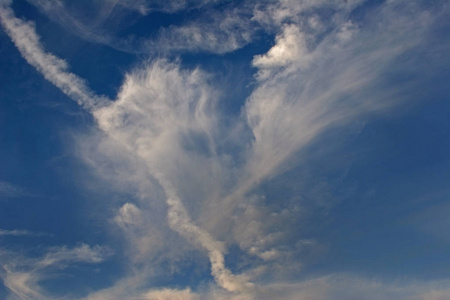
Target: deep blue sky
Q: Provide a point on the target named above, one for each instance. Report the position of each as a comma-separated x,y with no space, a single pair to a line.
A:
224,149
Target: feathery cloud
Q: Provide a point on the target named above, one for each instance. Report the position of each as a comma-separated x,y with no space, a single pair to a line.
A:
22,275
167,135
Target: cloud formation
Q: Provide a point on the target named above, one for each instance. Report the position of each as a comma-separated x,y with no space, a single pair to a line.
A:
165,140
22,275
53,68
219,30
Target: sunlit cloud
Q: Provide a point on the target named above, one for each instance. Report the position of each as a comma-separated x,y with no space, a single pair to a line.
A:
53,68
22,275
165,141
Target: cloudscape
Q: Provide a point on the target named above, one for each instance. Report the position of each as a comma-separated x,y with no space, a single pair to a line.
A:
220,149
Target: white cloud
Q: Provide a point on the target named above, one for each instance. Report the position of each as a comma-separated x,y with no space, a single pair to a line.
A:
290,50
294,105
128,214
22,285
144,237
216,31
61,256
22,275
277,13
167,294
148,119
54,69
165,137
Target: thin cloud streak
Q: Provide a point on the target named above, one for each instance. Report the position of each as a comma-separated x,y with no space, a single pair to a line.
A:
9,190
17,232
54,69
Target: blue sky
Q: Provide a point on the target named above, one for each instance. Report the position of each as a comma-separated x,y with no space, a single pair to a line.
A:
218,149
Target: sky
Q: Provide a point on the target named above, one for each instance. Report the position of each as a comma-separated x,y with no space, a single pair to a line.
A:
220,149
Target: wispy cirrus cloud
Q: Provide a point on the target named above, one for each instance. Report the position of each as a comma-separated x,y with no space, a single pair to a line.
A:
164,139
53,68
217,30
147,6
9,190
22,275
19,232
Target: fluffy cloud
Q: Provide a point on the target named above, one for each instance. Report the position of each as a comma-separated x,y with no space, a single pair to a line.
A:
290,48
